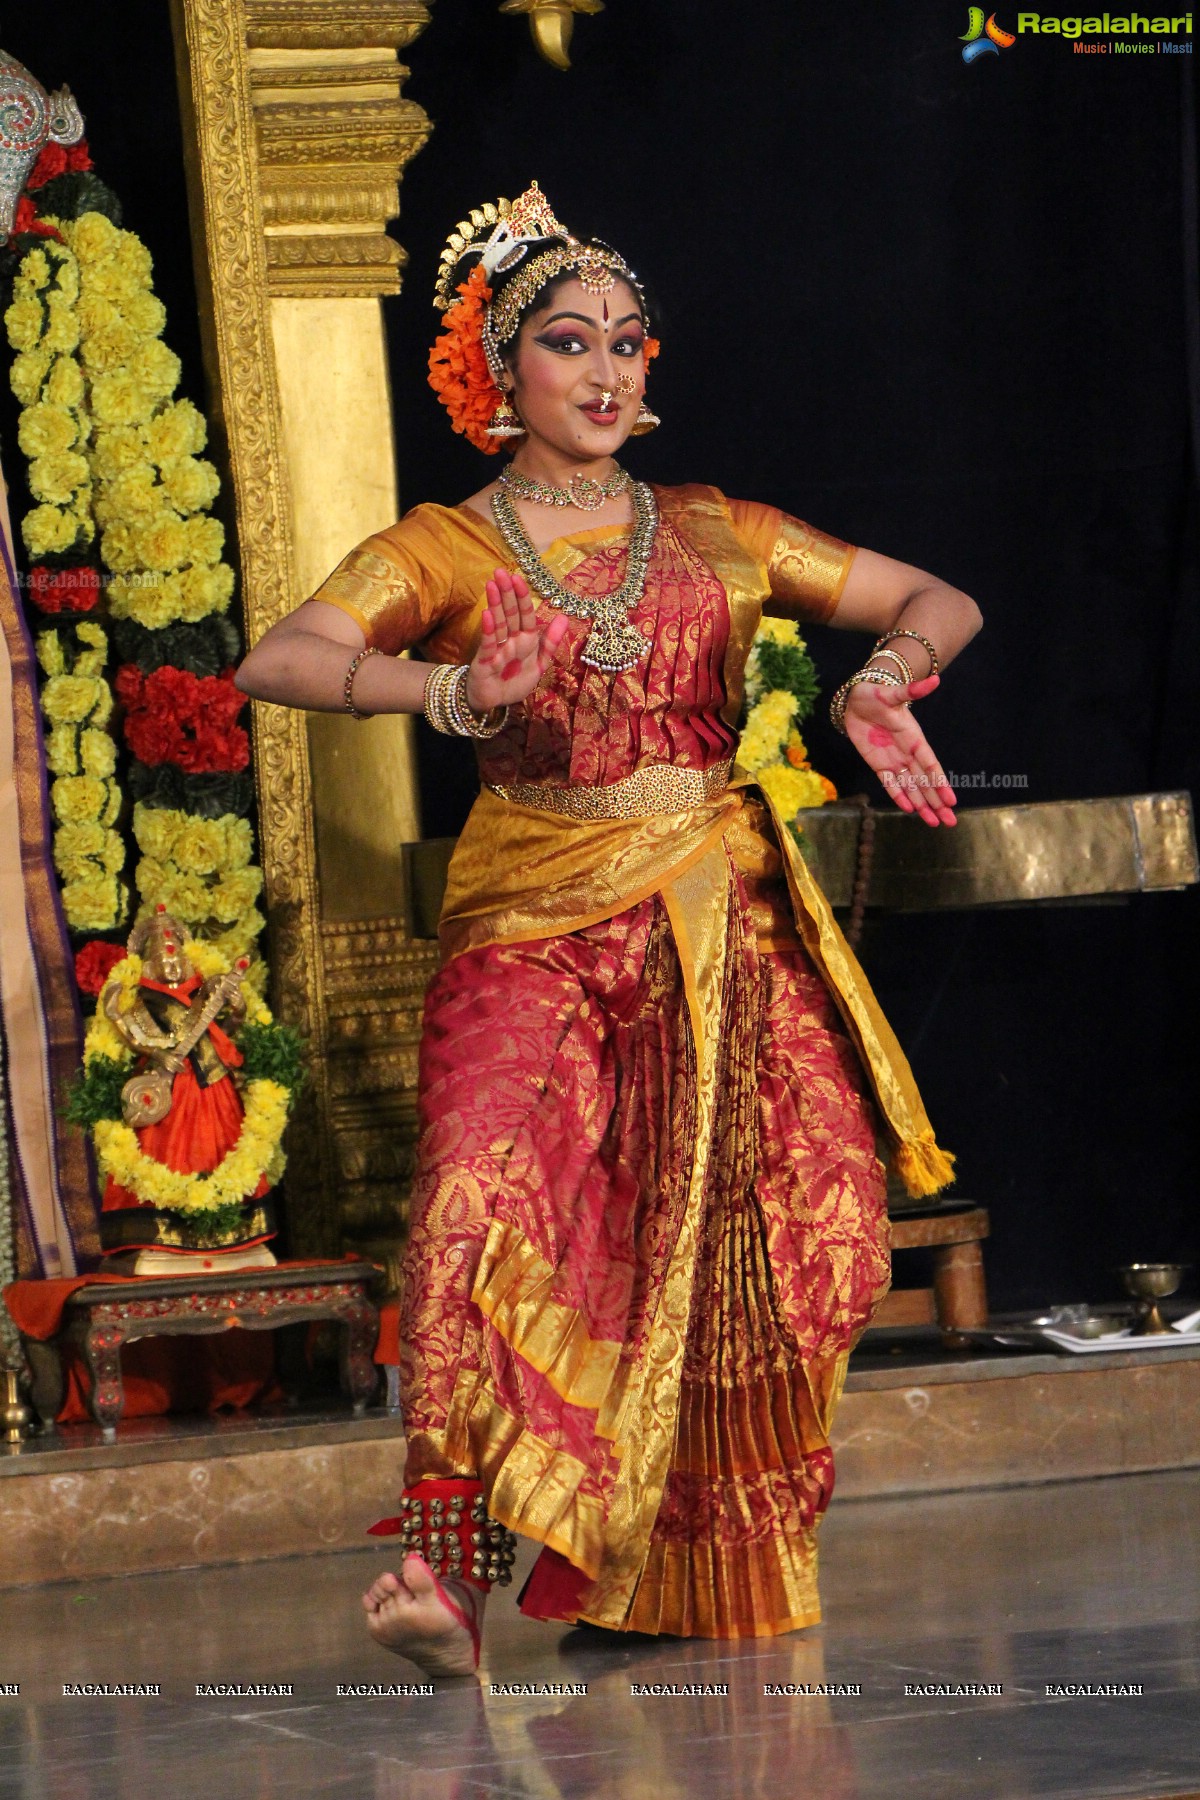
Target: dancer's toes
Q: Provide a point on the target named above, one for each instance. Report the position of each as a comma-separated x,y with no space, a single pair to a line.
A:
385,1588
434,1624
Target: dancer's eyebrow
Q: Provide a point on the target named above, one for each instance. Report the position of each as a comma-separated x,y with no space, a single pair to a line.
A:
584,320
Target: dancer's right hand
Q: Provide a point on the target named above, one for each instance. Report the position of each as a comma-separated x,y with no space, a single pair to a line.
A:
515,647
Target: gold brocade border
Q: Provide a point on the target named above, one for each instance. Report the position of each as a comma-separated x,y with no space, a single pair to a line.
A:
736,1591
644,1430
532,1487
511,1290
231,270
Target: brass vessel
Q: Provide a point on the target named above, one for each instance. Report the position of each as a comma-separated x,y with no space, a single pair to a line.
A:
1149,1283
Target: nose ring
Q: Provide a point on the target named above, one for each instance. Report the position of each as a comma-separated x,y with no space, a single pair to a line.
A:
625,384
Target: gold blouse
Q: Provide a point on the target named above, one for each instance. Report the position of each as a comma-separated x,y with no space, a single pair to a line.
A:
421,582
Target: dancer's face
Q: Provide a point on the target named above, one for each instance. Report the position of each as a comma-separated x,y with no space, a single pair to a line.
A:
579,370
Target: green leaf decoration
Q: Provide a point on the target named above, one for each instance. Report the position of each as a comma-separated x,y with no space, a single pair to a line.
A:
273,1053
789,667
95,1093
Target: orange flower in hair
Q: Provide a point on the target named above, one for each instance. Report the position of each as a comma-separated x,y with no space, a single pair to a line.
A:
458,371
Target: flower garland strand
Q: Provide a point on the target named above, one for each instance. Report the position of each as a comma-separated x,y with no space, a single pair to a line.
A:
781,688
122,525
53,430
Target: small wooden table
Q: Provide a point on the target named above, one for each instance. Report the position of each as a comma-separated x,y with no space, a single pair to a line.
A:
101,1317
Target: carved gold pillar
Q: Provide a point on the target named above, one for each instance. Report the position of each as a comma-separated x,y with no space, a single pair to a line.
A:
297,133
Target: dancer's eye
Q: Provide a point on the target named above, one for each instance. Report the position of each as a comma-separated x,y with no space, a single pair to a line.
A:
569,342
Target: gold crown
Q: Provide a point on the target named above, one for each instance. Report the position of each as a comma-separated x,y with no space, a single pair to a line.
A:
532,216
514,225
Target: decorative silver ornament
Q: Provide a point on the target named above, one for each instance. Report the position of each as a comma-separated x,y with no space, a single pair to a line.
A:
30,118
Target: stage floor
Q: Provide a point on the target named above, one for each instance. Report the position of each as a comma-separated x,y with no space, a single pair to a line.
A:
1084,1582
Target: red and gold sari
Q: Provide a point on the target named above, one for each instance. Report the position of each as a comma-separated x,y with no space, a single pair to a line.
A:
648,1220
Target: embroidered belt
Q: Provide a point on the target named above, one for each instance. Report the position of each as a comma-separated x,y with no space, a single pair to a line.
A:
655,788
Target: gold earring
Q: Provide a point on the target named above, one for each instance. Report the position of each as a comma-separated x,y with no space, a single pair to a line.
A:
505,422
645,421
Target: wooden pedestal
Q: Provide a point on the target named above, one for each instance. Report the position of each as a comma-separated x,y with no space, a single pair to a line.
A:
957,1301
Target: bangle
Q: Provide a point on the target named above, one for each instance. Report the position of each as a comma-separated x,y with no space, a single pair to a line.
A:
837,706
348,684
893,656
447,708
889,637
435,698
469,722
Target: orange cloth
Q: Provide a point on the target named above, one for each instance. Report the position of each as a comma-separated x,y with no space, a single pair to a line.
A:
182,1375
387,1347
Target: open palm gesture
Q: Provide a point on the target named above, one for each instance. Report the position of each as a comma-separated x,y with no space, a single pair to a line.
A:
885,734
515,647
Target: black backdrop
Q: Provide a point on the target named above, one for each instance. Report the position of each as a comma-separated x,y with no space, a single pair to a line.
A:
940,310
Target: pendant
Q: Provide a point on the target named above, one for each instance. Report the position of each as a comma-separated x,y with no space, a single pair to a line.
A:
587,494
612,645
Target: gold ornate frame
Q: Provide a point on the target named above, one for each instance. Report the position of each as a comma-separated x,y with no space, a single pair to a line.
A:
296,134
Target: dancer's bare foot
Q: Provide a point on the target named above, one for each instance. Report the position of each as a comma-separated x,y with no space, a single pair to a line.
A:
434,1623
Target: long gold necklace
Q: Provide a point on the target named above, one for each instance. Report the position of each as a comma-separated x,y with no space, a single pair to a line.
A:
612,644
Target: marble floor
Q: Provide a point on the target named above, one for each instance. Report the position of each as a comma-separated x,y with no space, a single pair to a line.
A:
1090,1583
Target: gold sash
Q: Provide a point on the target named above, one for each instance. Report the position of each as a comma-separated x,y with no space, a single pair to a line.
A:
519,874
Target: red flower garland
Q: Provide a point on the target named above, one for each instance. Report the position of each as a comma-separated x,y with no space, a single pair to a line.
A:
96,962
59,159
176,717
26,221
73,589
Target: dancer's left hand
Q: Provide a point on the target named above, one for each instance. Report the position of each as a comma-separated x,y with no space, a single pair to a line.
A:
887,737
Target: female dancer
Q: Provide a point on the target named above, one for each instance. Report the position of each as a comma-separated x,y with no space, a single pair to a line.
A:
648,1221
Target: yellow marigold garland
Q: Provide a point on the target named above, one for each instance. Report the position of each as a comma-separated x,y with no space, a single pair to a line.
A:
152,489
54,426
771,747
81,757
200,869
258,1152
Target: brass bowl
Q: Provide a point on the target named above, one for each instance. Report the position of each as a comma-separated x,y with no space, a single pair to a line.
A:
1149,1283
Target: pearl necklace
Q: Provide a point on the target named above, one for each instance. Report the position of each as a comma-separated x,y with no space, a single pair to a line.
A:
580,491
612,644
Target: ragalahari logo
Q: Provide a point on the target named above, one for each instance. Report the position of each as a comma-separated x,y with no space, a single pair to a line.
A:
984,38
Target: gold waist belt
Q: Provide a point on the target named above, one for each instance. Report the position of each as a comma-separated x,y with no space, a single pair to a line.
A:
656,788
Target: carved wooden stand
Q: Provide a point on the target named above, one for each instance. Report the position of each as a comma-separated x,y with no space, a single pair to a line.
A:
100,1318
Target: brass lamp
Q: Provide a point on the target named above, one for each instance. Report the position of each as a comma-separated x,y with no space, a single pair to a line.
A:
551,23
